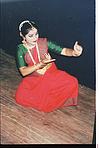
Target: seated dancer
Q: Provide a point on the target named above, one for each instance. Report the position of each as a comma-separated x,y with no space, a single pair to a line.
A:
43,87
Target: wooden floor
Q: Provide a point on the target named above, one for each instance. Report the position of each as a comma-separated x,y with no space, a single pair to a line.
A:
20,125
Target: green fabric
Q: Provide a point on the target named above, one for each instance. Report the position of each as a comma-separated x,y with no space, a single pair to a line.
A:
54,47
21,51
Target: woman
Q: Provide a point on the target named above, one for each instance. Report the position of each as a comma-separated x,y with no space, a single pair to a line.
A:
44,87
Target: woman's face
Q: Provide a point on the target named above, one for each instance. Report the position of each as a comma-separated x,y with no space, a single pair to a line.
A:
32,36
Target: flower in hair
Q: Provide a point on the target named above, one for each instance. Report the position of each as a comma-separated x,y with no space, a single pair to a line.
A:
22,23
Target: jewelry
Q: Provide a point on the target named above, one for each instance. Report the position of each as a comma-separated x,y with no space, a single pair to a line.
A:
37,53
43,70
22,23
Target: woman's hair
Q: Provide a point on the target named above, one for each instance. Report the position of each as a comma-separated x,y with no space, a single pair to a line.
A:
26,26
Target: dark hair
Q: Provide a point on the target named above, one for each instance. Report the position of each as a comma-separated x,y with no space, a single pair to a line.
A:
26,27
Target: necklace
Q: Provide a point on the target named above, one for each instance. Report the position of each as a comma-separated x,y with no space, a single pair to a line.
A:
37,53
43,70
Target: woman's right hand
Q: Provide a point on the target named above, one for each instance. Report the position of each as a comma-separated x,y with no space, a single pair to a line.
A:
43,63
40,65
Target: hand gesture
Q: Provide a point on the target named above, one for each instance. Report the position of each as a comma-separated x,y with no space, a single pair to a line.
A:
47,56
44,62
40,65
77,49
48,59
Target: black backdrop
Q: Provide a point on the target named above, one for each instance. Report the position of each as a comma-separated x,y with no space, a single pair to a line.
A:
61,21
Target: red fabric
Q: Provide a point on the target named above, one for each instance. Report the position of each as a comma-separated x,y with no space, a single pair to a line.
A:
43,48
49,91
35,57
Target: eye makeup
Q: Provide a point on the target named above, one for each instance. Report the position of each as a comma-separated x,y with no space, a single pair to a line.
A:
33,35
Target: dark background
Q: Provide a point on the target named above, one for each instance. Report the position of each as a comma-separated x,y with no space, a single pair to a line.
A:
61,21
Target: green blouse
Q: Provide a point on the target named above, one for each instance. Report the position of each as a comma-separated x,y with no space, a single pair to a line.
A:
21,51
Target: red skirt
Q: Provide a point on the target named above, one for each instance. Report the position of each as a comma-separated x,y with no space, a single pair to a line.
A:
48,92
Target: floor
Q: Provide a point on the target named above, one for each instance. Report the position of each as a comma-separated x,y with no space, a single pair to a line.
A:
20,125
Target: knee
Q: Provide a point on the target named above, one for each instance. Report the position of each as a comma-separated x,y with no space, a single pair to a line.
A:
75,81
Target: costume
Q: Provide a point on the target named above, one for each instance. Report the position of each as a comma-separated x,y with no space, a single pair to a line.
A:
49,91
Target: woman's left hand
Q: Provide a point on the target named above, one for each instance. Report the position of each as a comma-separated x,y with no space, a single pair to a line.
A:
77,49
48,59
47,56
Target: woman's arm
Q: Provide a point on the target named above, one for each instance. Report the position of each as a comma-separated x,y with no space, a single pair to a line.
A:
67,52
77,51
53,47
22,65
26,70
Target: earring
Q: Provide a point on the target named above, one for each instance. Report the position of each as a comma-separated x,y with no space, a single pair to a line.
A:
23,41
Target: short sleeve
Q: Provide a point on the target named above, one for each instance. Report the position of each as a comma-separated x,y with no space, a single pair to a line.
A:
54,47
20,57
